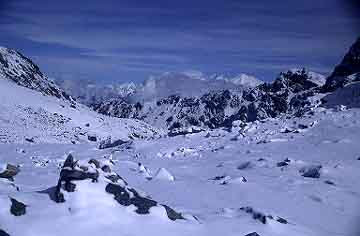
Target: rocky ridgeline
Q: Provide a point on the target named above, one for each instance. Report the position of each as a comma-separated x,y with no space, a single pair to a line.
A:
350,65
288,93
293,93
21,70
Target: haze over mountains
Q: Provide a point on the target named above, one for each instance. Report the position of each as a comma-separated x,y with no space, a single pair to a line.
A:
189,83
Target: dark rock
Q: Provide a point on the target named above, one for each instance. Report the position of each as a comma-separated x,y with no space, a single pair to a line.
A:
69,162
245,165
3,233
106,169
281,164
68,174
311,171
349,65
329,182
128,196
281,220
256,215
122,196
92,138
115,178
286,131
70,187
95,162
218,177
87,125
10,172
252,234
180,131
301,126
173,215
109,144
17,208
27,74
30,140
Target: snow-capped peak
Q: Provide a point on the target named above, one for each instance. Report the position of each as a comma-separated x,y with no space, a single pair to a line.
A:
240,79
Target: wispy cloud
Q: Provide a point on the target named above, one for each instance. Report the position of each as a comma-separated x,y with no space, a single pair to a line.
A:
93,38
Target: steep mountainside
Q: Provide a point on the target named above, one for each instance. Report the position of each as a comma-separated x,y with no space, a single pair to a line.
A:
29,116
349,65
21,70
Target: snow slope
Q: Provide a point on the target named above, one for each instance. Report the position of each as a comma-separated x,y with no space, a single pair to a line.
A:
28,114
231,182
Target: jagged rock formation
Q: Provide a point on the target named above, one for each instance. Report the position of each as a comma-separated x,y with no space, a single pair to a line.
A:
349,65
288,93
72,172
20,69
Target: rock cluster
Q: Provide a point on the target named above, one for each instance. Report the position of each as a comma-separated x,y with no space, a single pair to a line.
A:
94,170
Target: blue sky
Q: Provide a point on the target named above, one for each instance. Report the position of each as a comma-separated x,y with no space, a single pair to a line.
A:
130,40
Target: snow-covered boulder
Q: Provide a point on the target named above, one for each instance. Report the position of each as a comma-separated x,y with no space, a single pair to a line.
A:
76,176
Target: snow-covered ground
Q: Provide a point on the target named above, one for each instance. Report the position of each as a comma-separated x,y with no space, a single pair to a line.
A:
28,114
224,179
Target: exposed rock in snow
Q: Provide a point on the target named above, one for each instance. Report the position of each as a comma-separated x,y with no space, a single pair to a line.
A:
311,171
349,65
21,70
3,233
348,96
10,172
17,208
252,234
108,143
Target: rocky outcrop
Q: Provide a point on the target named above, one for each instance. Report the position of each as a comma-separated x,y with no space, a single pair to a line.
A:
289,93
21,70
17,208
10,172
72,172
349,65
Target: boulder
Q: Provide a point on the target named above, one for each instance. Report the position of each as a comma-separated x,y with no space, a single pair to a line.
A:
108,143
17,208
92,138
311,171
252,234
9,172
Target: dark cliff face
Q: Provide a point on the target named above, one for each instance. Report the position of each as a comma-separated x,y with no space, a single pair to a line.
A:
349,65
21,70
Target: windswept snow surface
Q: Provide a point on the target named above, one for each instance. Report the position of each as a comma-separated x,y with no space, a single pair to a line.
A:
229,180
